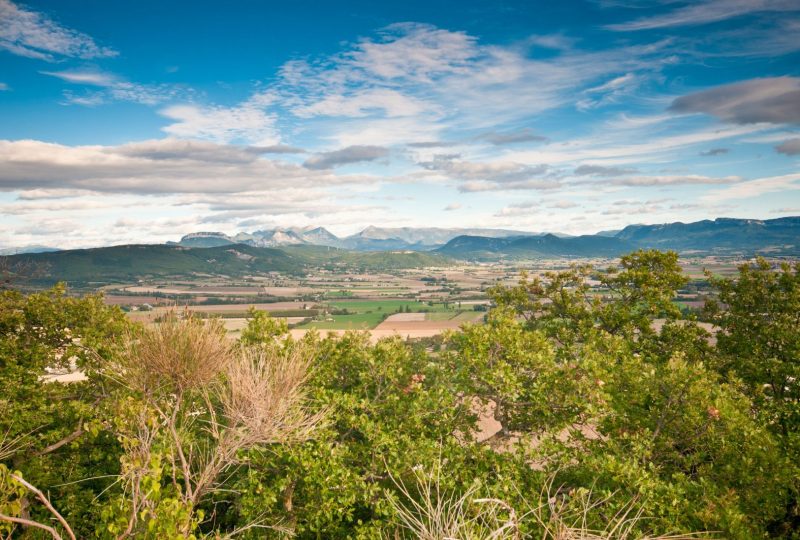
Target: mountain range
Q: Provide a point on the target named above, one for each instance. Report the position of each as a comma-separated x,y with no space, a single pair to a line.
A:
370,239
722,235
35,248
297,250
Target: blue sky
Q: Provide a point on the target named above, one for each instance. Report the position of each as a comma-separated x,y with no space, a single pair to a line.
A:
142,121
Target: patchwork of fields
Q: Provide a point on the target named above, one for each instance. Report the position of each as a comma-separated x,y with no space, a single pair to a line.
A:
412,303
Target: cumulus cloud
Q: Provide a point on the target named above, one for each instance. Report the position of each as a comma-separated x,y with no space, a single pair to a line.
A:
345,156
774,100
248,122
512,137
689,179
280,149
32,34
714,152
517,209
151,167
452,206
180,149
602,170
790,147
473,176
432,144
705,12
4,86
563,204
754,188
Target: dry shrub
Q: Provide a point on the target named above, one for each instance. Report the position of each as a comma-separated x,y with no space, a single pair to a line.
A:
264,396
433,514
187,351
559,521
221,399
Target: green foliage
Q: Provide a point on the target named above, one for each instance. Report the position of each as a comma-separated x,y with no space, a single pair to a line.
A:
391,409
758,313
760,337
62,446
518,372
261,328
658,423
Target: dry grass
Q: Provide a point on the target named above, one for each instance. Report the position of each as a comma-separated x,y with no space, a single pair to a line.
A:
434,514
426,512
559,521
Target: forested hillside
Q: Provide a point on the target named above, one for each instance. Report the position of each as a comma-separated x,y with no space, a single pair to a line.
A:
615,416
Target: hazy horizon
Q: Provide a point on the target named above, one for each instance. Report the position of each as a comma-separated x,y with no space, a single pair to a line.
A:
140,123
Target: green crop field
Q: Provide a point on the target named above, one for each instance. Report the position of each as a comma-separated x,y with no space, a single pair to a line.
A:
348,322
384,306
369,313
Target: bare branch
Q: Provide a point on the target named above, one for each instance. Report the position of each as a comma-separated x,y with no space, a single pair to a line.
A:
46,502
31,523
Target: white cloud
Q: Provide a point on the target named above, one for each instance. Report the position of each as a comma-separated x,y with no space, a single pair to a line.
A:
345,156
222,124
35,35
4,86
425,80
96,78
473,176
610,92
704,12
672,180
151,167
774,100
754,188
363,103
114,88
413,51
563,204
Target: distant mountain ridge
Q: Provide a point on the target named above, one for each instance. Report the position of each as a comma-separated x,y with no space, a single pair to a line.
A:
296,249
719,236
370,239
534,247
35,248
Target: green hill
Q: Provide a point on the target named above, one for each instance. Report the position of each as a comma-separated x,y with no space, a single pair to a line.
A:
129,262
123,263
534,247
